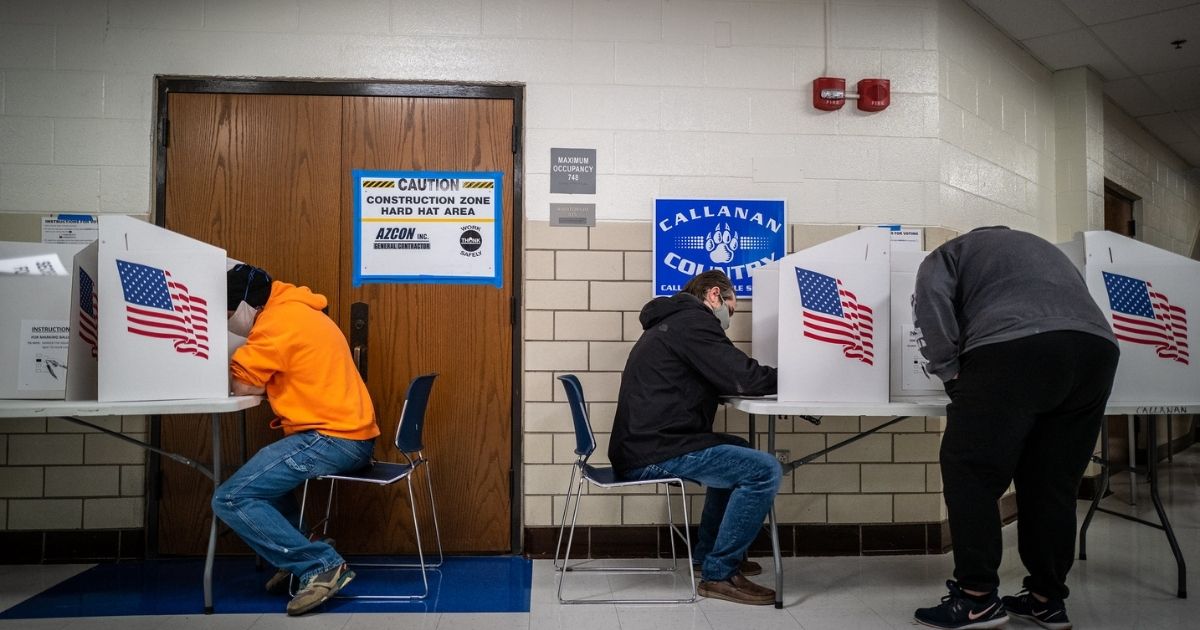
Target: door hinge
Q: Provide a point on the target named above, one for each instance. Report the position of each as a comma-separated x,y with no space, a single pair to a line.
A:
166,132
1132,227
512,311
516,137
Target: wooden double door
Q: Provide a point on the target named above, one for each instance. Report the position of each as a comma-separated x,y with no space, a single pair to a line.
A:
267,177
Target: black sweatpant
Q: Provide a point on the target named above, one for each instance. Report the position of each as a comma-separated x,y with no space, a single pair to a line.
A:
1028,411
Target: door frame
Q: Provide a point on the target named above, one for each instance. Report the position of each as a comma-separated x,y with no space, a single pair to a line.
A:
515,92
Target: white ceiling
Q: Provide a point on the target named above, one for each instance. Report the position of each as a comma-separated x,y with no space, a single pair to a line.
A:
1128,42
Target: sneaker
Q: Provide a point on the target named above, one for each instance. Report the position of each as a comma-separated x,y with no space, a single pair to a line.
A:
747,568
737,589
1051,614
958,610
279,583
320,588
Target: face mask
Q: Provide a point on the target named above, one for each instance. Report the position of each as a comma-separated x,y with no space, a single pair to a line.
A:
242,319
722,313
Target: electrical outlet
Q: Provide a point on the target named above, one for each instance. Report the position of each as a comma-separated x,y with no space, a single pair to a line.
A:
783,455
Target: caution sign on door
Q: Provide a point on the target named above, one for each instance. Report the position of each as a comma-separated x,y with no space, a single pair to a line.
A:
427,227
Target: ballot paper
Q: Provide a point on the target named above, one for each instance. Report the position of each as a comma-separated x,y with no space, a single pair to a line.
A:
38,265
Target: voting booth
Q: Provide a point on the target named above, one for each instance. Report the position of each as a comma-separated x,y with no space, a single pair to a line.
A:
910,379
1150,297
35,303
147,316
821,315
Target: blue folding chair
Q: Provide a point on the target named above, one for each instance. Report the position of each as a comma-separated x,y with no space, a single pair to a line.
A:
605,477
411,446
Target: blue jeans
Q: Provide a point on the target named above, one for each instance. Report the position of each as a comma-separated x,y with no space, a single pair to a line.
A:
257,501
742,483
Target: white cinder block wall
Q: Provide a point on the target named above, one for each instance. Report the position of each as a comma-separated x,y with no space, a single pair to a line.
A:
678,97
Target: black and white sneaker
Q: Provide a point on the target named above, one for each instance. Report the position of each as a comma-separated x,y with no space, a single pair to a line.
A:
959,610
1051,614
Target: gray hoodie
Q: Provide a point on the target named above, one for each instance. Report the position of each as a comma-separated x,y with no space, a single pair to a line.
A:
994,284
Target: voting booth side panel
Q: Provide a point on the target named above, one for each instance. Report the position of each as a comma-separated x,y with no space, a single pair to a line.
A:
35,325
162,297
84,347
764,334
834,321
1151,309
909,378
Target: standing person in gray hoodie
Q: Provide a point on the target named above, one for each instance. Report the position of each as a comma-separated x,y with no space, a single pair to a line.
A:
1028,361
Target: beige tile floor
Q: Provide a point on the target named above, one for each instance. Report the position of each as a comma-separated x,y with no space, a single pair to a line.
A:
1127,582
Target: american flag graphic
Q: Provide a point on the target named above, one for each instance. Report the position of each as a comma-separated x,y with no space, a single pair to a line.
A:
1142,315
833,315
158,306
87,310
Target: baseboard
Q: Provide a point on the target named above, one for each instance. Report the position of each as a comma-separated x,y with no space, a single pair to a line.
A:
38,547
810,539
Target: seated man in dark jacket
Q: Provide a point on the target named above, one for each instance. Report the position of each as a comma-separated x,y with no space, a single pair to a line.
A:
664,427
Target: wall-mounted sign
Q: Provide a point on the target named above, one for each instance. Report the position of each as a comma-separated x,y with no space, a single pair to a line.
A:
427,227
733,235
906,239
572,214
70,228
573,171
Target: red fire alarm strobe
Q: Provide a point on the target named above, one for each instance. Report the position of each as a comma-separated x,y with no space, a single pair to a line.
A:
829,93
874,94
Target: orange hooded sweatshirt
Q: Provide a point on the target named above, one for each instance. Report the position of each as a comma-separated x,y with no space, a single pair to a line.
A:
300,357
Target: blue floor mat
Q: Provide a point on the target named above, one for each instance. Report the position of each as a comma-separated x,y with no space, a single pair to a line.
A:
173,587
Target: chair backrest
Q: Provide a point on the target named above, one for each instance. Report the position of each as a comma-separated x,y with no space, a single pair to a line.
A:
412,415
585,441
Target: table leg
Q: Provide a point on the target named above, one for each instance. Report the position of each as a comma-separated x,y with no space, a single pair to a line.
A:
212,531
778,560
771,420
1152,475
1100,492
1132,420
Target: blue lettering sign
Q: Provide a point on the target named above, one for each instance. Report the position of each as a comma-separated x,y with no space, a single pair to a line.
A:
734,235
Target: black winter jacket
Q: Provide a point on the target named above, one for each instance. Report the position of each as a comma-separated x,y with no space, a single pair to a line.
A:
677,370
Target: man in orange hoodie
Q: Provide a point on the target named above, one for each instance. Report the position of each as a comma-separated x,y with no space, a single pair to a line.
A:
298,357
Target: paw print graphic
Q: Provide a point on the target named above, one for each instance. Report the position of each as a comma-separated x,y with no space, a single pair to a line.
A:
721,243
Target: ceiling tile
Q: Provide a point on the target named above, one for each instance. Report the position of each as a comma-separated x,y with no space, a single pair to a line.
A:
1098,11
1132,96
1189,151
1180,88
1192,117
1143,43
1073,49
1169,128
1023,19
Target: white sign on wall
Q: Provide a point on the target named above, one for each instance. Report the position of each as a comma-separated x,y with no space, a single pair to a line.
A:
427,227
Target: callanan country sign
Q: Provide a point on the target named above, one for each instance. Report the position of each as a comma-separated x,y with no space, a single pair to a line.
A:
733,235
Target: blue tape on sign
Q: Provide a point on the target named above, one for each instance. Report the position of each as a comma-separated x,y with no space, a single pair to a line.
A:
892,227
79,218
733,235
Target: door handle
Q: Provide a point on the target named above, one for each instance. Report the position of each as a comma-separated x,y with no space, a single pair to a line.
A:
359,325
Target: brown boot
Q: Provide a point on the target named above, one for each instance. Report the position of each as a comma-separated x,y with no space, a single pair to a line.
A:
737,589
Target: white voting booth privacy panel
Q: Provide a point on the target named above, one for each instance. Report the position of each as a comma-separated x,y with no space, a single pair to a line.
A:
83,349
831,320
1150,297
34,325
909,378
159,313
